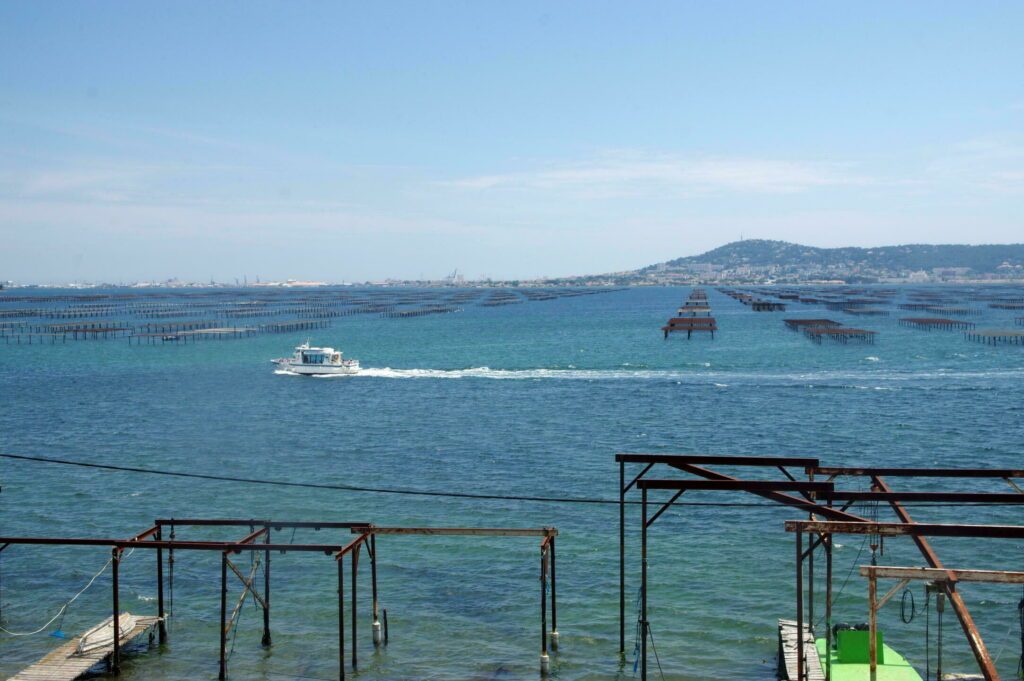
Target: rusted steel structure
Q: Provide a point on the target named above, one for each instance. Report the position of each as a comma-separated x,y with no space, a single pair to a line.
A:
798,324
162,536
839,334
918,531
929,323
882,492
936,579
777,491
690,324
693,315
996,337
817,497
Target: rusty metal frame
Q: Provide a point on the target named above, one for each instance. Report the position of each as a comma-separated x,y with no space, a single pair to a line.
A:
689,463
152,538
811,502
368,534
918,532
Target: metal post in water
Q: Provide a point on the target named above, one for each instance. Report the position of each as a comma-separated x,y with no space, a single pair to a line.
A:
373,581
223,615
355,569
873,625
622,558
554,598
810,571
162,626
799,606
266,591
828,607
643,586
341,618
115,657
545,661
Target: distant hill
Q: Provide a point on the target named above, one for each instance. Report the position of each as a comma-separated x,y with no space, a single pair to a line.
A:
766,253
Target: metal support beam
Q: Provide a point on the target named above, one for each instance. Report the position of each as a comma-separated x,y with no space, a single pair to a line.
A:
873,628
162,626
266,642
799,607
341,619
643,585
115,657
372,551
222,674
828,608
786,499
355,620
665,507
622,560
554,597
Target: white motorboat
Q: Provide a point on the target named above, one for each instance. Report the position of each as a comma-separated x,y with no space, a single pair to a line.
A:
312,361
102,634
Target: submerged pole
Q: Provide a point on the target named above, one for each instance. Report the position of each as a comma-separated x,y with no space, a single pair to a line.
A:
162,627
622,556
799,606
554,598
828,607
643,586
222,674
545,661
873,625
341,618
115,657
373,581
266,591
355,570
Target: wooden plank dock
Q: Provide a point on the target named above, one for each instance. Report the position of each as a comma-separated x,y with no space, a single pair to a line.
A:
64,664
787,653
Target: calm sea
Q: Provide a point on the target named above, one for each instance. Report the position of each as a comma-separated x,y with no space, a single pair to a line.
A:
532,399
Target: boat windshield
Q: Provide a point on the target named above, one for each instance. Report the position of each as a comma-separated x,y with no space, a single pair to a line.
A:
313,358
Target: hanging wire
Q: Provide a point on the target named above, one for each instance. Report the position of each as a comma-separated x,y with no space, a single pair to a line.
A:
853,566
64,607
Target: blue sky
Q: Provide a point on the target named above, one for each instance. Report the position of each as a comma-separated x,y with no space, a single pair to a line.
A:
360,141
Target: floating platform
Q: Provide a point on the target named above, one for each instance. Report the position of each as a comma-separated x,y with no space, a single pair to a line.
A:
894,668
64,664
787,653
891,666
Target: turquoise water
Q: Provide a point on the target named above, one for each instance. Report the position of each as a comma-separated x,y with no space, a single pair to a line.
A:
532,399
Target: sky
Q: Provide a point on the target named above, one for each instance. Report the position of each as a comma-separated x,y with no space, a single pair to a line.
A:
358,141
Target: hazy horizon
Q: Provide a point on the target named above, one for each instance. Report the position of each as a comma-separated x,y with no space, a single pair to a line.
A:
361,142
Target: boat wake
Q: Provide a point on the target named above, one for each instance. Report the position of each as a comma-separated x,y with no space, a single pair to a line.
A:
720,379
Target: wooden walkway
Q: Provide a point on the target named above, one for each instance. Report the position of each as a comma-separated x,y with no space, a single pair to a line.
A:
63,664
787,653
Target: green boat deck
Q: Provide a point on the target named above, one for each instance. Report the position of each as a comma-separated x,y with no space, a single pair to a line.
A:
849,659
895,667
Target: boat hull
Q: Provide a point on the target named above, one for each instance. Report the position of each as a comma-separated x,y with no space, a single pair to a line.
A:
318,369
